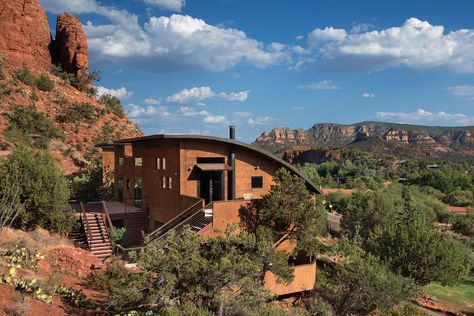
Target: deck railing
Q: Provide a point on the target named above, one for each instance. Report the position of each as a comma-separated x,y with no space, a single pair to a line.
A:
86,224
174,222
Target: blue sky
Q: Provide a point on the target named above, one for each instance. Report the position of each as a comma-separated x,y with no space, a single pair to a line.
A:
196,66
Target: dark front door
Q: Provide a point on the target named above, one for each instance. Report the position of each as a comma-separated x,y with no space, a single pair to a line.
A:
211,186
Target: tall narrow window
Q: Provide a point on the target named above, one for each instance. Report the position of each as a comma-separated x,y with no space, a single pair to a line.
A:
138,192
121,161
170,183
158,164
163,163
128,184
120,189
163,182
138,162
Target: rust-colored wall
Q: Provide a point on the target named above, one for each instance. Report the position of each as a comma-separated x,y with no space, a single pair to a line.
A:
304,279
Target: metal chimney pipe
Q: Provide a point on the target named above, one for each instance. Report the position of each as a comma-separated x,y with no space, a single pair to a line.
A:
231,173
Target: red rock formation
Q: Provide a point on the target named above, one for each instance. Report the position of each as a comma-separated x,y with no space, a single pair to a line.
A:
71,44
24,35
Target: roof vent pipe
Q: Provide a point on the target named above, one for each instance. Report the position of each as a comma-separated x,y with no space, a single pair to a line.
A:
232,132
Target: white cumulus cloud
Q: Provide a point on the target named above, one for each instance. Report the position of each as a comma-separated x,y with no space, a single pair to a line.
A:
151,101
188,111
215,119
144,112
463,91
121,93
321,85
368,95
174,5
260,120
422,116
415,44
198,94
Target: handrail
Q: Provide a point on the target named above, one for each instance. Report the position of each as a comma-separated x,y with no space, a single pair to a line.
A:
125,251
86,224
178,219
109,221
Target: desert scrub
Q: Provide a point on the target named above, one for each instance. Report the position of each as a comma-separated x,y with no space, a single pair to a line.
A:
44,83
24,75
21,257
26,286
78,113
28,120
113,104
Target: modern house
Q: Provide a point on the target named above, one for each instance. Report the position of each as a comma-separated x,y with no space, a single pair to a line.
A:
172,180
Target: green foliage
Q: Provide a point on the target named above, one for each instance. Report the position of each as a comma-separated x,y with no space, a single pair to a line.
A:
82,83
118,236
410,246
3,73
464,224
287,209
113,104
406,310
26,286
44,190
20,257
26,120
25,76
182,268
89,185
78,113
44,83
317,306
75,297
361,284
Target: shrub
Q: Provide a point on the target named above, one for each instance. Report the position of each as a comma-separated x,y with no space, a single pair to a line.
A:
21,257
118,236
113,104
3,74
25,76
27,120
77,113
44,83
82,83
43,189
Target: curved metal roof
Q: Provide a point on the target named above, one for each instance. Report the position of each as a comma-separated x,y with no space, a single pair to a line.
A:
311,186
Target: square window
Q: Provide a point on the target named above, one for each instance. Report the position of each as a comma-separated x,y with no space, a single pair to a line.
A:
163,182
257,182
138,162
121,161
158,164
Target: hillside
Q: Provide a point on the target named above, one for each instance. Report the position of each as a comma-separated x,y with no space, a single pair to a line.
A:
47,98
397,139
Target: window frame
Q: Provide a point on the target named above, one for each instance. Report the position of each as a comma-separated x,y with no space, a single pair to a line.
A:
138,159
256,178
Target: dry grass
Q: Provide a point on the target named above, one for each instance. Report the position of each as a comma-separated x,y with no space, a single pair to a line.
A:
39,239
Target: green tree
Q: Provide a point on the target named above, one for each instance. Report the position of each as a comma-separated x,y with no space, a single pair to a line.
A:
289,209
409,245
113,104
223,274
43,190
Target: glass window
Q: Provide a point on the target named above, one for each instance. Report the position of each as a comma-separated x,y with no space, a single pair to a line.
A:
257,182
170,183
120,190
128,184
158,164
121,161
163,182
138,192
138,162
163,163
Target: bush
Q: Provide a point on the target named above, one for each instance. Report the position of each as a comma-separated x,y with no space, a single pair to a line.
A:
44,83
118,236
113,104
27,120
25,76
3,74
77,113
43,189
82,83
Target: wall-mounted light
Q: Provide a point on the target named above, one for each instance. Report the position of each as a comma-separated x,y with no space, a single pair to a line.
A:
257,167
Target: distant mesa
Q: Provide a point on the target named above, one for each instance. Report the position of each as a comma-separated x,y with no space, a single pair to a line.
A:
27,41
390,138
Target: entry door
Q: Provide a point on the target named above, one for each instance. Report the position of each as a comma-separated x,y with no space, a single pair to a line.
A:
211,186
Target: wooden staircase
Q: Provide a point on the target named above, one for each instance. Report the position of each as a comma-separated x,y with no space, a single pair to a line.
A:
96,235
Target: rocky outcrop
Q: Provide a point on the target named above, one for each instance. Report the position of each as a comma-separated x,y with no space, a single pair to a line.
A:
24,35
71,45
390,138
